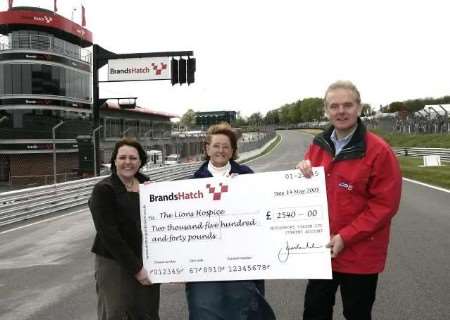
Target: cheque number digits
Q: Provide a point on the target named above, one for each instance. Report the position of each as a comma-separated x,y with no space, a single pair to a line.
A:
206,269
248,267
166,271
232,268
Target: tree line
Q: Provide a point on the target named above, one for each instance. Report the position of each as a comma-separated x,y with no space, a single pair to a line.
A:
414,105
311,110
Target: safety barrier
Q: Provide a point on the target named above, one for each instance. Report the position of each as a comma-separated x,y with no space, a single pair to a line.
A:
420,152
20,205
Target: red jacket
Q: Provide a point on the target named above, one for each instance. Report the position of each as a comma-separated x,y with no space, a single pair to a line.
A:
363,190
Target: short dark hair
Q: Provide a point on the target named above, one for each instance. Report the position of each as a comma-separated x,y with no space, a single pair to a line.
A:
132,143
225,129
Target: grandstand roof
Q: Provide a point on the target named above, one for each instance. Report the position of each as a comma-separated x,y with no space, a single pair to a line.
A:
438,107
114,105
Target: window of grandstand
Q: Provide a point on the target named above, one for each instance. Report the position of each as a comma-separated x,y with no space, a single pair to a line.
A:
161,129
131,127
42,41
112,128
44,79
145,128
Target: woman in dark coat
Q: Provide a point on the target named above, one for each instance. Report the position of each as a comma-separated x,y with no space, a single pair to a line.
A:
123,287
225,300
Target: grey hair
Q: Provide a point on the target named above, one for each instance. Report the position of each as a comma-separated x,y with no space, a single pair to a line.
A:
343,84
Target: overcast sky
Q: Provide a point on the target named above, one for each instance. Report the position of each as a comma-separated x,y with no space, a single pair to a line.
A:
256,55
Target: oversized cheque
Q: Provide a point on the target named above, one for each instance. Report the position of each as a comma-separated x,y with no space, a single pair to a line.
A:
271,225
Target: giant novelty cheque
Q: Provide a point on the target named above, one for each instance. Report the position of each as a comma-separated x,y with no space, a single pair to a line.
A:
271,225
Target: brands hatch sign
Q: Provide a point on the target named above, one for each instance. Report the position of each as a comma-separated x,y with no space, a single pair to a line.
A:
134,69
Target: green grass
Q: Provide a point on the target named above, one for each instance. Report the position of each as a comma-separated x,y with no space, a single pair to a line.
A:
411,167
418,140
437,176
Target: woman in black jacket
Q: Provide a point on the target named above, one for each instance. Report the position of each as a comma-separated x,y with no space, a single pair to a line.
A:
123,287
225,300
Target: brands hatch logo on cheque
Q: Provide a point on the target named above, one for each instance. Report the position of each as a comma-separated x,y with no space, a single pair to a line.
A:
215,191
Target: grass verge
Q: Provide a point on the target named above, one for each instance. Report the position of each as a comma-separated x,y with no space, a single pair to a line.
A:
437,176
427,140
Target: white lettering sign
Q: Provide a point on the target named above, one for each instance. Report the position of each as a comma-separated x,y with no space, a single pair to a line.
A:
139,69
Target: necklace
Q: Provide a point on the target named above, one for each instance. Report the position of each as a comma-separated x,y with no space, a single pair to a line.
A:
129,186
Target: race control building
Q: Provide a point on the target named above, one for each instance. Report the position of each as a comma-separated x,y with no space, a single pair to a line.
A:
46,83
45,79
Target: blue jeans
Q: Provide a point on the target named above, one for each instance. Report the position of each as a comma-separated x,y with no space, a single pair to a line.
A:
227,300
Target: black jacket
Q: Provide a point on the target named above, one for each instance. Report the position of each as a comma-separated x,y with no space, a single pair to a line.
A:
117,221
203,172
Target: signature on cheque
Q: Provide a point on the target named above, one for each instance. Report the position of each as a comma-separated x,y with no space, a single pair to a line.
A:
297,248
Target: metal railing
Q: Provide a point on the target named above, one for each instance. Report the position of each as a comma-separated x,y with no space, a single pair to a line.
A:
259,139
16,206
20,205
44,179
45,43
420,152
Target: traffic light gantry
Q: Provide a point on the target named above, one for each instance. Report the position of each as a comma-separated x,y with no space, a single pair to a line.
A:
183,70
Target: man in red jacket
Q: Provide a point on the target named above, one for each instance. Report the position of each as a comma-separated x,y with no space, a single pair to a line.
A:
363,182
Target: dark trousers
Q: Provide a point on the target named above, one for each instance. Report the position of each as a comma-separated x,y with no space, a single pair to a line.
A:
357,292
121,296
228,300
